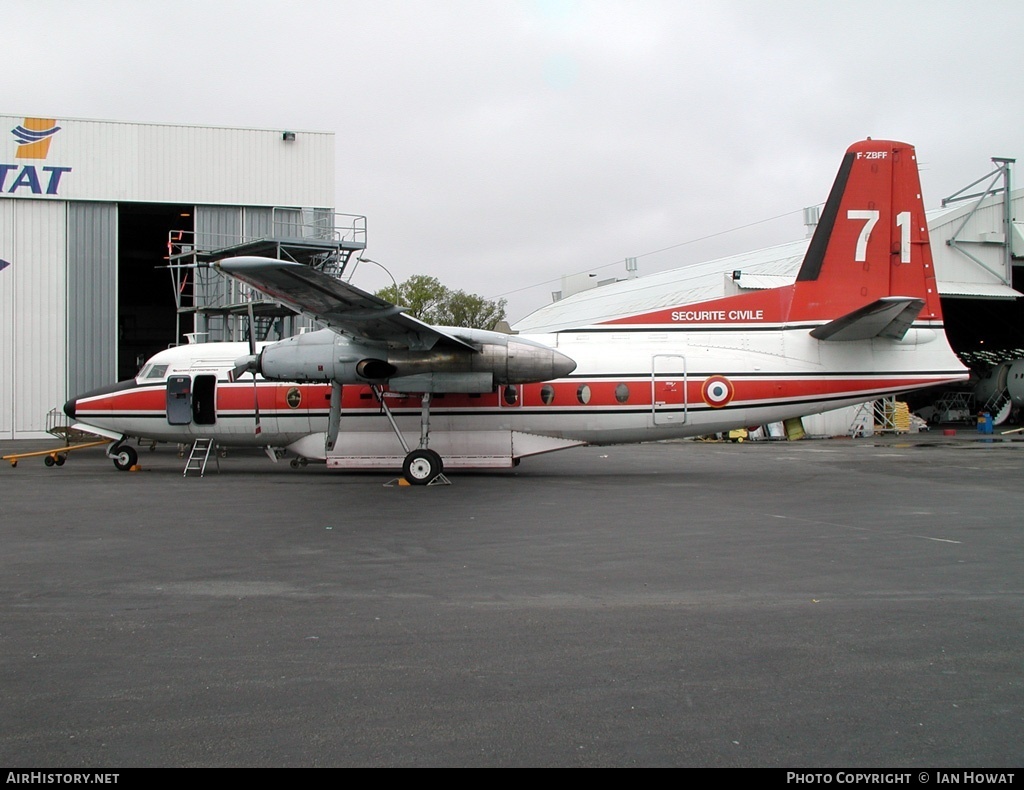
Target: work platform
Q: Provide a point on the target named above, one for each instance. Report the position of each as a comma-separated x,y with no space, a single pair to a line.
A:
220,305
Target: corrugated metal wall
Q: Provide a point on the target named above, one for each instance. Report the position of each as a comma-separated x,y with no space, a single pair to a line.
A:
7,319
953,266
259,222
113,161
288,223
92,296
39,332
216,227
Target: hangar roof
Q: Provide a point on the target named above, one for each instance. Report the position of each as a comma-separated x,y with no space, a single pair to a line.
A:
698,282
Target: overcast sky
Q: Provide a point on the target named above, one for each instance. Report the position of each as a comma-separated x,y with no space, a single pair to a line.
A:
498,144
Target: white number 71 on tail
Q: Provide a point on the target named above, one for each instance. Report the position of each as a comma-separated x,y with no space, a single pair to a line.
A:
870,219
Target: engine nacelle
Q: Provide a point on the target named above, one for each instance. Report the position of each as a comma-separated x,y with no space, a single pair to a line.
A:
507,358
500,359
318,356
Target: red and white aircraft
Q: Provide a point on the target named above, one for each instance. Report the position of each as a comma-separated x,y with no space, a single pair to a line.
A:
378,388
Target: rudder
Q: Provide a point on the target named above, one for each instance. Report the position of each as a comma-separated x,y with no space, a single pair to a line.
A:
872,239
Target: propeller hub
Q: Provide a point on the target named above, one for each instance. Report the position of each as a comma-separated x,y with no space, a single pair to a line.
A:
250,363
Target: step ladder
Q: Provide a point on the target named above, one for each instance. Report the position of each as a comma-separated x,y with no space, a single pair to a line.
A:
863,420
199,456
999,406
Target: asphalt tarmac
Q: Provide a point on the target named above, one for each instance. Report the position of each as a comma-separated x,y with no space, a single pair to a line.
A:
837,603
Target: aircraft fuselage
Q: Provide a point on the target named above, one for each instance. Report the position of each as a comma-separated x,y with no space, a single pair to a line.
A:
628,386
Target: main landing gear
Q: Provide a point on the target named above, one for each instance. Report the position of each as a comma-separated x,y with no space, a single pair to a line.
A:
422,466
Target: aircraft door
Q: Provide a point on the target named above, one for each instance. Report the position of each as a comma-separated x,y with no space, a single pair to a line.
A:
668,389
204,400
179,400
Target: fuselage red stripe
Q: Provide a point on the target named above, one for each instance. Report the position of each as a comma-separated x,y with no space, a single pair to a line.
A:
578,394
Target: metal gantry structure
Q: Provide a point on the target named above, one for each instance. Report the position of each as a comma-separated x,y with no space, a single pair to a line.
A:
219,306
961,244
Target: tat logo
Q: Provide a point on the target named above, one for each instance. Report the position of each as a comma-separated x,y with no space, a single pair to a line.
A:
34,137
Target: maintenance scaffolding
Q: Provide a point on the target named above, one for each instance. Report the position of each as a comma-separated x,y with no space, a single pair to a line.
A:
219,305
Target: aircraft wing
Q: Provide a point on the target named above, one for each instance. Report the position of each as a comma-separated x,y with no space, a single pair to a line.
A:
336,304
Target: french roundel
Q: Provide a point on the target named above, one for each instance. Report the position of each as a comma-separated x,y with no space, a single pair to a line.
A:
717,391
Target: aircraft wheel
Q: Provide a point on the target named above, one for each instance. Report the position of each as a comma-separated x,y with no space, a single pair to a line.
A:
126,458
60,459
48,460
422,466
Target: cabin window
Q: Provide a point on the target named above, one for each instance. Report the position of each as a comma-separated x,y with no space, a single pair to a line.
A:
583,394
510,394
547,394
622,393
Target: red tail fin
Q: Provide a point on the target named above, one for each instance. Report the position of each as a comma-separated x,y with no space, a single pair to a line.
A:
872,239
868,270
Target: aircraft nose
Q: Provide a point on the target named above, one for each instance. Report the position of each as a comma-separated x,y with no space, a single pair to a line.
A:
69,407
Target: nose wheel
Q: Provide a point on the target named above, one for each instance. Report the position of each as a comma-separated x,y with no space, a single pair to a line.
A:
123,456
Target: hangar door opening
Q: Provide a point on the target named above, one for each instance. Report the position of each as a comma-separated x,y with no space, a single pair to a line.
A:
146,309
992,326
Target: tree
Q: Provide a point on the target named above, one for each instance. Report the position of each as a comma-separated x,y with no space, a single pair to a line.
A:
434,303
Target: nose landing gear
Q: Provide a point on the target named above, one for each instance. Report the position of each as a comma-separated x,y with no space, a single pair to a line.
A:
124,456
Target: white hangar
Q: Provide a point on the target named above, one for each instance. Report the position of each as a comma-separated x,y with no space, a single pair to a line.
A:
92,211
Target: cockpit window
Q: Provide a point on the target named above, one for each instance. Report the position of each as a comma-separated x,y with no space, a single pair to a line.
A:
151,371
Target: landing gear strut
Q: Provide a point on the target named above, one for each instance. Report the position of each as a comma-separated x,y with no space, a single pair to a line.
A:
422,466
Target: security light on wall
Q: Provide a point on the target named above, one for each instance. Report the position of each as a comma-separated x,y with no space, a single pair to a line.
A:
288,137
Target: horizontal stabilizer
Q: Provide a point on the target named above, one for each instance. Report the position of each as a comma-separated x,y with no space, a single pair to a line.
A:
889,317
